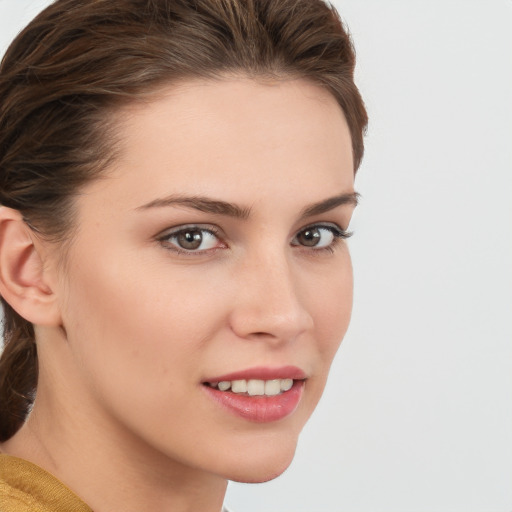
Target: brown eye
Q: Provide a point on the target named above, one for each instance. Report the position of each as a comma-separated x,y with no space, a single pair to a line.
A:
309,237
190,239
193,239
320,236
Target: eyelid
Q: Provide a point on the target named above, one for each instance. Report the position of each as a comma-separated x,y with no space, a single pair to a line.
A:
168,233
337,230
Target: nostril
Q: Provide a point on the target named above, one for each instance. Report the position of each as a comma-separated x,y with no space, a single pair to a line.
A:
260,335
269,310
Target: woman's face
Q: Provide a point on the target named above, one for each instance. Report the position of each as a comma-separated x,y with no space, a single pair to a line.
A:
212,252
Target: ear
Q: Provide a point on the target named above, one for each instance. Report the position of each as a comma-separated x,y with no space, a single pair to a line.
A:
24,280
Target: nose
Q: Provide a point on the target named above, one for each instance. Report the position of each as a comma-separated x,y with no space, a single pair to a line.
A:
270,301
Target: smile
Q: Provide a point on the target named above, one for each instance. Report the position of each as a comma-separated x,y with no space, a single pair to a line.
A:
259,394
254,387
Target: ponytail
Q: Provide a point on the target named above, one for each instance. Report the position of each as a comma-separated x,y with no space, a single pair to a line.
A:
18,372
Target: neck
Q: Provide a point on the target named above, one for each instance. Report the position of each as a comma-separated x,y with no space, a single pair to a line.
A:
105,465
110,475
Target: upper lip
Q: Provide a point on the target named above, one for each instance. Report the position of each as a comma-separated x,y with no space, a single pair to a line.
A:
262,373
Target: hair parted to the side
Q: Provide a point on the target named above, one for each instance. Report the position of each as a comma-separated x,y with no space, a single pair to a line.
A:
79,61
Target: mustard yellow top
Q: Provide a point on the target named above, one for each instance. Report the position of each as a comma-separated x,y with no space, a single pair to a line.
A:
25,487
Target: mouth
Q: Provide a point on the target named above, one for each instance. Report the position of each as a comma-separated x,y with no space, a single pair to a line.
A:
260,394
253,387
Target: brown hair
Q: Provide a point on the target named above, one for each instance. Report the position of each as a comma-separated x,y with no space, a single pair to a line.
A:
80,60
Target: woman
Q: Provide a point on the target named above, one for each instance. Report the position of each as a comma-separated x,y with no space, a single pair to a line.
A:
177,180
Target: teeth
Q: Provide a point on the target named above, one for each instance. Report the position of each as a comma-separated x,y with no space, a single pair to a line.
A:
255,387
224,385
273,387
239,386
286,384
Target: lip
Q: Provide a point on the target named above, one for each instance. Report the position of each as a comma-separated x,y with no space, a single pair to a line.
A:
260,409
262,373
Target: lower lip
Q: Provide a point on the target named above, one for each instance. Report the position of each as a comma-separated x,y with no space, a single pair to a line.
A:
260,409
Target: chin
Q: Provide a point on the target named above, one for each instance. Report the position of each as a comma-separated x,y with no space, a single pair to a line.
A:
252,476
260,478
264,467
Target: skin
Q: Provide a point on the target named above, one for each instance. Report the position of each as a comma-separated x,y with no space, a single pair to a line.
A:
140,326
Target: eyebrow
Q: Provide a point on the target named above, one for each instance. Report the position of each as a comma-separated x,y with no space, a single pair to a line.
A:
349,198
203,204
208,205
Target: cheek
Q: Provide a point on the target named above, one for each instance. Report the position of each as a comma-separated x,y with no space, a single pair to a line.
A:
331,304
133,318
136,342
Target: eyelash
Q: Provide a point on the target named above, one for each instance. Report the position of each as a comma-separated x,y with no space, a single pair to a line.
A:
173,234
338,235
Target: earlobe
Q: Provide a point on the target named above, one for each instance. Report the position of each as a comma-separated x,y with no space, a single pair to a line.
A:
23,283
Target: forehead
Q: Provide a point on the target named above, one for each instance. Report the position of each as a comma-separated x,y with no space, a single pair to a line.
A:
235,138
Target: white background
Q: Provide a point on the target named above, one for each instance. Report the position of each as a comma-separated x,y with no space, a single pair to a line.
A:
417,416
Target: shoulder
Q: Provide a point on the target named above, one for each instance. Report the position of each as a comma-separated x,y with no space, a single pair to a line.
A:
25,487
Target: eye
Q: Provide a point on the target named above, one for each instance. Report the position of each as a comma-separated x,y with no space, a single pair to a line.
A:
191,239
320,236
